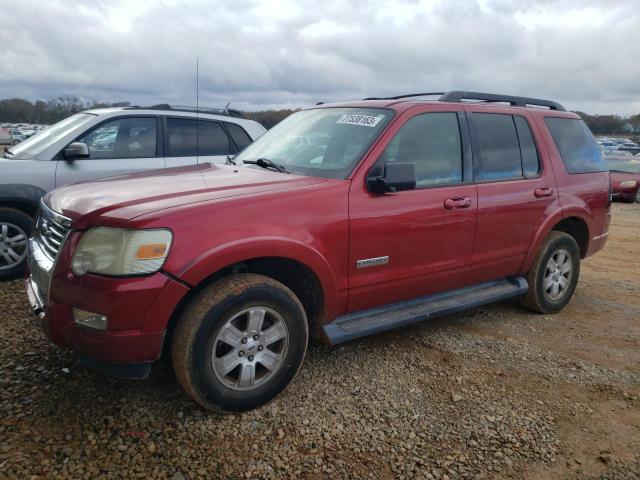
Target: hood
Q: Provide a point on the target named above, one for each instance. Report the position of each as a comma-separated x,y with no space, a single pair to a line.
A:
129,196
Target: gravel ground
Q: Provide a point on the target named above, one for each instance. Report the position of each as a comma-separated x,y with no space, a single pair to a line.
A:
496,392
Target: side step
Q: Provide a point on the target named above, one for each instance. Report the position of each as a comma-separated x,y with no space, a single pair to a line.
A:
387,317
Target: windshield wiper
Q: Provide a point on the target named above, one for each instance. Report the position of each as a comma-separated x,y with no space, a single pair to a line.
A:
266,163
230,160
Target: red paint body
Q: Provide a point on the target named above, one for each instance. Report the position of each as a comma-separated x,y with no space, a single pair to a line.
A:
221,215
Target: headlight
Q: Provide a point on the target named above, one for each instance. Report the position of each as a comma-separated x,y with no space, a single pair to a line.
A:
116,251
628,184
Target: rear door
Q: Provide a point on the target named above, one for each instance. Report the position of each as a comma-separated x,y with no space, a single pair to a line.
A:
116,146
416,242
514,189
189,141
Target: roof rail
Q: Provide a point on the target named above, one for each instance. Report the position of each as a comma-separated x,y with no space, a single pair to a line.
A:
229,112
459,96
399,97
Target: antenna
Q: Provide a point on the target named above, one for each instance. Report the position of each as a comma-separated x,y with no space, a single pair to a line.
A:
197,110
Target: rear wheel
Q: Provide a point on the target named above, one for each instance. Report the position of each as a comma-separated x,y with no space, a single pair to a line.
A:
15,227
554,274
239,343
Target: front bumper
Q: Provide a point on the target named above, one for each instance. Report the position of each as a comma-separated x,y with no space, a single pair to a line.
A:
138,309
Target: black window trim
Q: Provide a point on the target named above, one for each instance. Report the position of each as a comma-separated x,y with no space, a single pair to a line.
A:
159,137
465,149
477,163
535,145
233,148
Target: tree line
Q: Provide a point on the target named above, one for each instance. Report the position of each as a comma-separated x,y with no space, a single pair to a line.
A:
17,110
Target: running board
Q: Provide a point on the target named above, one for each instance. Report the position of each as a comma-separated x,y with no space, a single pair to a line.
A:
379,319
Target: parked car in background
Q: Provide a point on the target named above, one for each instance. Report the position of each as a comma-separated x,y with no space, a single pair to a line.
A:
625,178
618,154
107,142
17,136
400,210
5,135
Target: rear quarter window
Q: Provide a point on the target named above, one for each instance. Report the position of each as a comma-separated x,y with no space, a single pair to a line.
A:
577,147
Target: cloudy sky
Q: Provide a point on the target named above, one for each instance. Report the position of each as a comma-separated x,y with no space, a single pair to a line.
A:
280,53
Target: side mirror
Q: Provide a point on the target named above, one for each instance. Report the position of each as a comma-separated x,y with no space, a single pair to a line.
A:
397,176
76,150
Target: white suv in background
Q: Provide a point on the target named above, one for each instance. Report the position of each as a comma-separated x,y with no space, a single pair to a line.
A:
106,142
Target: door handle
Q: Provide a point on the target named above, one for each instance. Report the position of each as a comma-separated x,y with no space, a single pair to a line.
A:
457,202
543,192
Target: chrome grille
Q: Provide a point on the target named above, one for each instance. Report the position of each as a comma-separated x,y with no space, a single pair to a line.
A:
51,231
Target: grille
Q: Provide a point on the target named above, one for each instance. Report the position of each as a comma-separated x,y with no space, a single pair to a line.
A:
51,232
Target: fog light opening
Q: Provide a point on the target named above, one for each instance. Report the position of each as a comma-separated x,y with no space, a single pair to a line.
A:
93,320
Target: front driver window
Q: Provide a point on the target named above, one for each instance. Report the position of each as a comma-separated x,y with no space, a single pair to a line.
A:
123,138
432,142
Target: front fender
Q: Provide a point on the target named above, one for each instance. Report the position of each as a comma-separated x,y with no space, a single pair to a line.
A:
224,255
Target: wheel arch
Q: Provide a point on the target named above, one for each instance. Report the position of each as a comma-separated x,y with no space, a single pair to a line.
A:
574,225
307,274
25,198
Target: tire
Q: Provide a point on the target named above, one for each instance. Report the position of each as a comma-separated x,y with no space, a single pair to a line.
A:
201,355
15,228
541,299
636,199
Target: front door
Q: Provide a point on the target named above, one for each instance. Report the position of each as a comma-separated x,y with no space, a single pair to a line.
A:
122,145
416,242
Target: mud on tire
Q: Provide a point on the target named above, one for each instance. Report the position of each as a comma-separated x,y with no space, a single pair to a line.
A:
241,325
554,274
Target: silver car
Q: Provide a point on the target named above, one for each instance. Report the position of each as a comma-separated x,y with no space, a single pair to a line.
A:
105,142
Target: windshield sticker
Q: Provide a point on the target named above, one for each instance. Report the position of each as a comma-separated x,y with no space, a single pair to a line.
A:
362,120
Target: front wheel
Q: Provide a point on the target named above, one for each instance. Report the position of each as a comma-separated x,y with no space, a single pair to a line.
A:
15,227
239,343
554,274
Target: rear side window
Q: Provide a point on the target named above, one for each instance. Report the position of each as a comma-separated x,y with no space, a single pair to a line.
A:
530,162
497,145
432,142
212,140
190,137
576,145
238,134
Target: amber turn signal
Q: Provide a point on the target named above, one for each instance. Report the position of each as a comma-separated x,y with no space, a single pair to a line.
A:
151,251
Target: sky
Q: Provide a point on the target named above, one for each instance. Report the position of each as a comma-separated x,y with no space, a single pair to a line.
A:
261,54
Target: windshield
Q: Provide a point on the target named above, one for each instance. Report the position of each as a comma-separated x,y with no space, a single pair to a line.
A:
325,142
32,146
626,166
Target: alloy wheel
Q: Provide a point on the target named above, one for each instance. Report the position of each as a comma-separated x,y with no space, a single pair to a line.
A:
250,348
13,245
557,274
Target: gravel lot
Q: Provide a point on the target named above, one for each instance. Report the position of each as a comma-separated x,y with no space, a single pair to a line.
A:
492,393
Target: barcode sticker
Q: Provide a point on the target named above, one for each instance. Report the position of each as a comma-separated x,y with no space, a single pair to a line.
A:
362,120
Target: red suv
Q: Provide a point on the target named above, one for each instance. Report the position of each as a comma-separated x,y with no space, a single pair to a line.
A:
342,221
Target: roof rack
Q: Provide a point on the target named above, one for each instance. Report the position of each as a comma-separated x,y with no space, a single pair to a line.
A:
406,96
459,96
229,112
